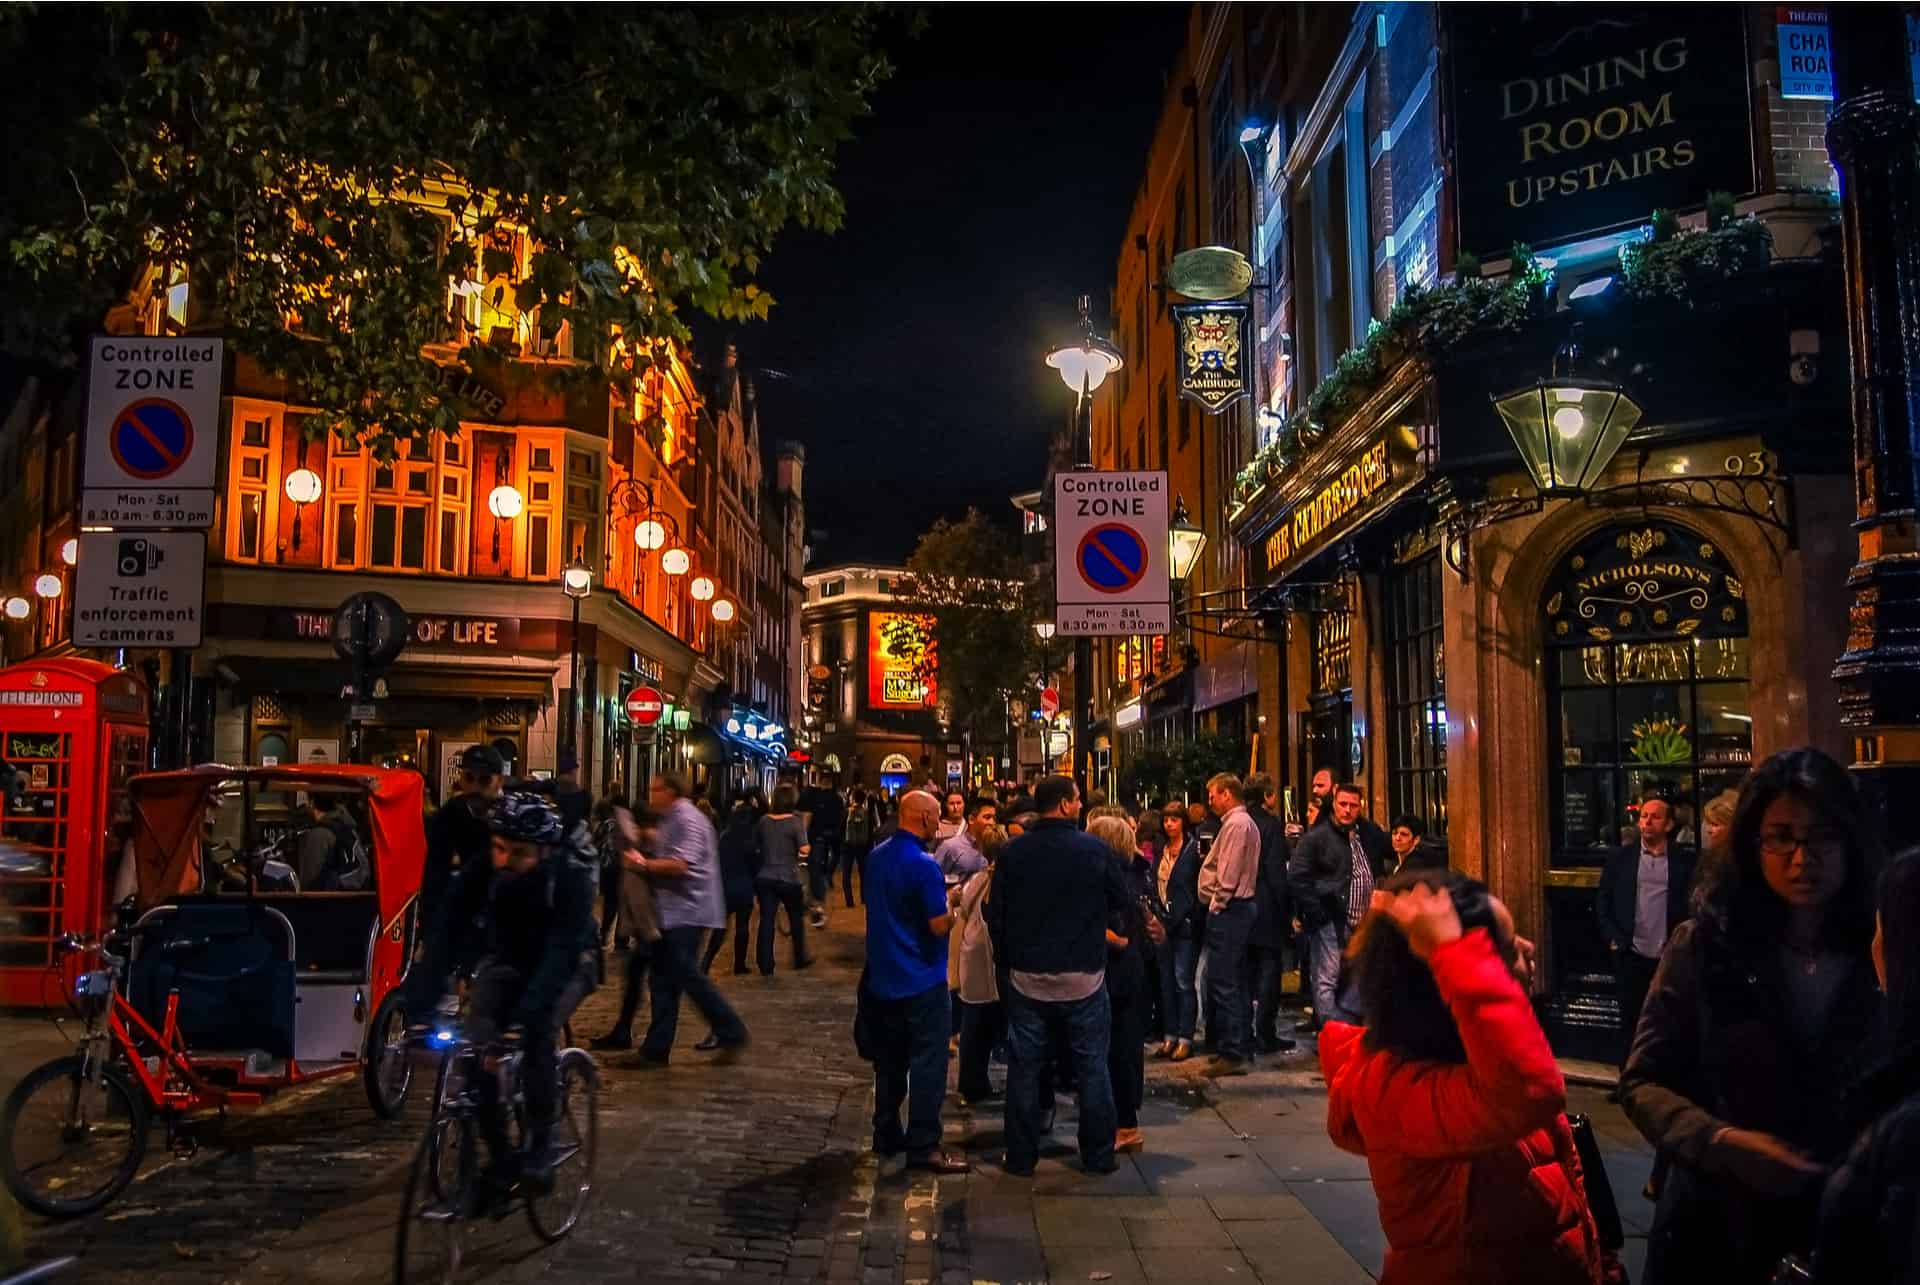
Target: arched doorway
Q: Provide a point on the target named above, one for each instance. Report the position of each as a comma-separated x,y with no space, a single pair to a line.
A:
1645,627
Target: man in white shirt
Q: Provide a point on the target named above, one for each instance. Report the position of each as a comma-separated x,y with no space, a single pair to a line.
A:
1229,876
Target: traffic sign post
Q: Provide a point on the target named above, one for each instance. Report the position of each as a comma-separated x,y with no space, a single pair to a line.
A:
153,432
645,705
140,590
1110,553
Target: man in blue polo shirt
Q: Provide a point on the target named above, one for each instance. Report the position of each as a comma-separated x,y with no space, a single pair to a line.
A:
906,1006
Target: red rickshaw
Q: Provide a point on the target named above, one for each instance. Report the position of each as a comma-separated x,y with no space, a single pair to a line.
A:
228,982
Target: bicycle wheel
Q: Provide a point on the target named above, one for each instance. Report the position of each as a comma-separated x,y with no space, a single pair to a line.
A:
71,1145
386,1066
435,1214
576,1139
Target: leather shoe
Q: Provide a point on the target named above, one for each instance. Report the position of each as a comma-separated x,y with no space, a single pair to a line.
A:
1277,1044
940,1162
707,1045
611,1042
1224,1066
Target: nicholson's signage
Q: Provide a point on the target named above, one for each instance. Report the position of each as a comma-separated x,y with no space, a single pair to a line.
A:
1370,478
1575,118
1645,582
1210,338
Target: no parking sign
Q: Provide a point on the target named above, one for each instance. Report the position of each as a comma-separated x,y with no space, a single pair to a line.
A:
153,430
1110,553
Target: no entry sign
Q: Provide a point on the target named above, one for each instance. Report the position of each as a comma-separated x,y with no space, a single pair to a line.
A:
153,429
1110,553
1049,702
645,705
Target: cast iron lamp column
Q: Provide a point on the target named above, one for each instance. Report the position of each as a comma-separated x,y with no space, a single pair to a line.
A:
1084,365
576,582
1871,134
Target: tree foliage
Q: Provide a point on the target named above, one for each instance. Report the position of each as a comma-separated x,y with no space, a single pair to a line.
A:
967,578
339,165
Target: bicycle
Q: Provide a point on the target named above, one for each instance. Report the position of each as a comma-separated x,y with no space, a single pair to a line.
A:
442,1199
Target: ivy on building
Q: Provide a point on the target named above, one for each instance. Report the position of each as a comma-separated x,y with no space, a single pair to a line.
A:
1670,267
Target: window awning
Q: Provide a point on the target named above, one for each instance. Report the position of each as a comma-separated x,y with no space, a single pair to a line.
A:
276,675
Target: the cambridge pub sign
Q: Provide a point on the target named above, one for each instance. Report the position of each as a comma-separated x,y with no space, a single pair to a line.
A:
1211,341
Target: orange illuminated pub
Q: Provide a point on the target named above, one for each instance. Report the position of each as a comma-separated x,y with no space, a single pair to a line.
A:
72,732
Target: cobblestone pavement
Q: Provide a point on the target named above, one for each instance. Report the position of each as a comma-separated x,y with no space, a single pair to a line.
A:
759,1170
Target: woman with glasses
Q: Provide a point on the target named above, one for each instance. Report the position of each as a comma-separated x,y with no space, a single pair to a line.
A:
1761,1004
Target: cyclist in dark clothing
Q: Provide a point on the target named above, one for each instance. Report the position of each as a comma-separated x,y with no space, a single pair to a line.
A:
448,933
539,964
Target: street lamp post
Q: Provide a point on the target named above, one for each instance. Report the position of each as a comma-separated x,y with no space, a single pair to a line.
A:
1084,365
576,582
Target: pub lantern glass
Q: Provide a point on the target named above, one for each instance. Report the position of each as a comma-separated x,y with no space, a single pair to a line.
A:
1568,430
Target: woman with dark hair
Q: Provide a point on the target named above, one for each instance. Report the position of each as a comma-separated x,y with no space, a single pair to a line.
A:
1178,880
1411,851
739,864
777,885
1870,1215
1126,985
1759,1003
1453,1096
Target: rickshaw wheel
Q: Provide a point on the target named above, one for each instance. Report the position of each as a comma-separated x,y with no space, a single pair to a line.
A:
437,1209
69,1148
386,1067
576,1139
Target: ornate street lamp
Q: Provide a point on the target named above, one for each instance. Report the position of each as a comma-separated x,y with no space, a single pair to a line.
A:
1045,628
1185,541
1567,428
303,488
676,561
649,534
1085,363
576,581
723,610
18,608
701,588
48,586
70,551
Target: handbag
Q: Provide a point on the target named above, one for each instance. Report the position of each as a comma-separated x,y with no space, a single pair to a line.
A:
1606,1213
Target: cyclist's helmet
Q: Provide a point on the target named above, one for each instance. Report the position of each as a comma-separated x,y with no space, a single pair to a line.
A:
525,818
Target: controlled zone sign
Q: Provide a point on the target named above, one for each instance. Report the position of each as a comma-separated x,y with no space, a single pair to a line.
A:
1110,553
153,432
140,590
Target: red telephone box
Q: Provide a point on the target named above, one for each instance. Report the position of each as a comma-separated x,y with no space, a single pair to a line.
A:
74,731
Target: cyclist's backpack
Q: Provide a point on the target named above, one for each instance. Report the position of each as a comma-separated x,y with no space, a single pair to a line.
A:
346,867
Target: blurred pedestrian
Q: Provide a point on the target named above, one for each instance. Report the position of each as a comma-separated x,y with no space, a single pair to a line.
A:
1127,990
953,817
1229,880
685,875
1454,1098
1643,897
1870,1215
1053,891
1331,876
609,844
1272,920
639,923
740,858
862,825
1760,1003
826,815
903,993
784,848
1179,878
983,1019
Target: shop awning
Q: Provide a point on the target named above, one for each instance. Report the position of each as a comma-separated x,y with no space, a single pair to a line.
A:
281,676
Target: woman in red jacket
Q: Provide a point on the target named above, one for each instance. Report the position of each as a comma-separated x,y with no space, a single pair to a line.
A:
1453,1096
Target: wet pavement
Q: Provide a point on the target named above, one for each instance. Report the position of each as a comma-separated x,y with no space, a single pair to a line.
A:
759,1170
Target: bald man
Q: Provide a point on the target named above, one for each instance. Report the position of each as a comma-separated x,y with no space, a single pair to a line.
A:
904,1007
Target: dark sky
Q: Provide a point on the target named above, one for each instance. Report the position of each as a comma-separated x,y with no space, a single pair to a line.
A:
989,188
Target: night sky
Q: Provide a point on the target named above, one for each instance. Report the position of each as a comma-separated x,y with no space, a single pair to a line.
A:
989,188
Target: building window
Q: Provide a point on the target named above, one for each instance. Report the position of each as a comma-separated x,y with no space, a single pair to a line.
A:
251,476
1332,267
1647,693
833,588
1417,695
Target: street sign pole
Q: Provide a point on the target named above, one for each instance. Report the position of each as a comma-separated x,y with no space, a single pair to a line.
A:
1083,643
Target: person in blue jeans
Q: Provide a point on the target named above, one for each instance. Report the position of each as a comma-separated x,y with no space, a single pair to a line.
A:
1054,889
903,1000
1179,889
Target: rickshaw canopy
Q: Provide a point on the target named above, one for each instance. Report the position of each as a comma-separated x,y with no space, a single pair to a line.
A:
170,808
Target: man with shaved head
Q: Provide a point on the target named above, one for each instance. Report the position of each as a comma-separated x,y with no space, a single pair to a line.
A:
904,1009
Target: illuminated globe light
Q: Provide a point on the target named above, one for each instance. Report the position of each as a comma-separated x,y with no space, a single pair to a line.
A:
576,581
650,535
723,611
1085,365
48,585
504,502
18,608
303,486
1568,421
701,588
676,561
70,552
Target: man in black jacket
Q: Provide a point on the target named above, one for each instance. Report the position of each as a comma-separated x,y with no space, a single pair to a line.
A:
1643,897
1054,888
1272,919
448,922
1331,876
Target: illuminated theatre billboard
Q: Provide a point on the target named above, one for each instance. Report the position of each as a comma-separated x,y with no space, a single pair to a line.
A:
900,661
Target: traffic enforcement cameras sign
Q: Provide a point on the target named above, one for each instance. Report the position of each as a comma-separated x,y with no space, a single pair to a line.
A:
153,432
1110,553
140,590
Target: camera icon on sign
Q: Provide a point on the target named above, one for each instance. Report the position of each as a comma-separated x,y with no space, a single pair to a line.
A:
136,557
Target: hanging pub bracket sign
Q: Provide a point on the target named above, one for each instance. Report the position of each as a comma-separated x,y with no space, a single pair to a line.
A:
1211,348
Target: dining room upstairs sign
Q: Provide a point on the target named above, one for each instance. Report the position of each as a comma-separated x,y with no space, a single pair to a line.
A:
1581,119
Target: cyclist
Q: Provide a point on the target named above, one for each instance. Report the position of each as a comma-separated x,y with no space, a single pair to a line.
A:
539,964
454,884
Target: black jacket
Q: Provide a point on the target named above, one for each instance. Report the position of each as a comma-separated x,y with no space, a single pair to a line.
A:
542,924
1620,890
1713,1050
1186,913
1870,1215
1321,869
739,858
1053,890
1272,906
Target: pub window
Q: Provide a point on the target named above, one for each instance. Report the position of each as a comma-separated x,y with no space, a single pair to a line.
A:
1647,674
251,471
1417,695
344,513
1332,651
